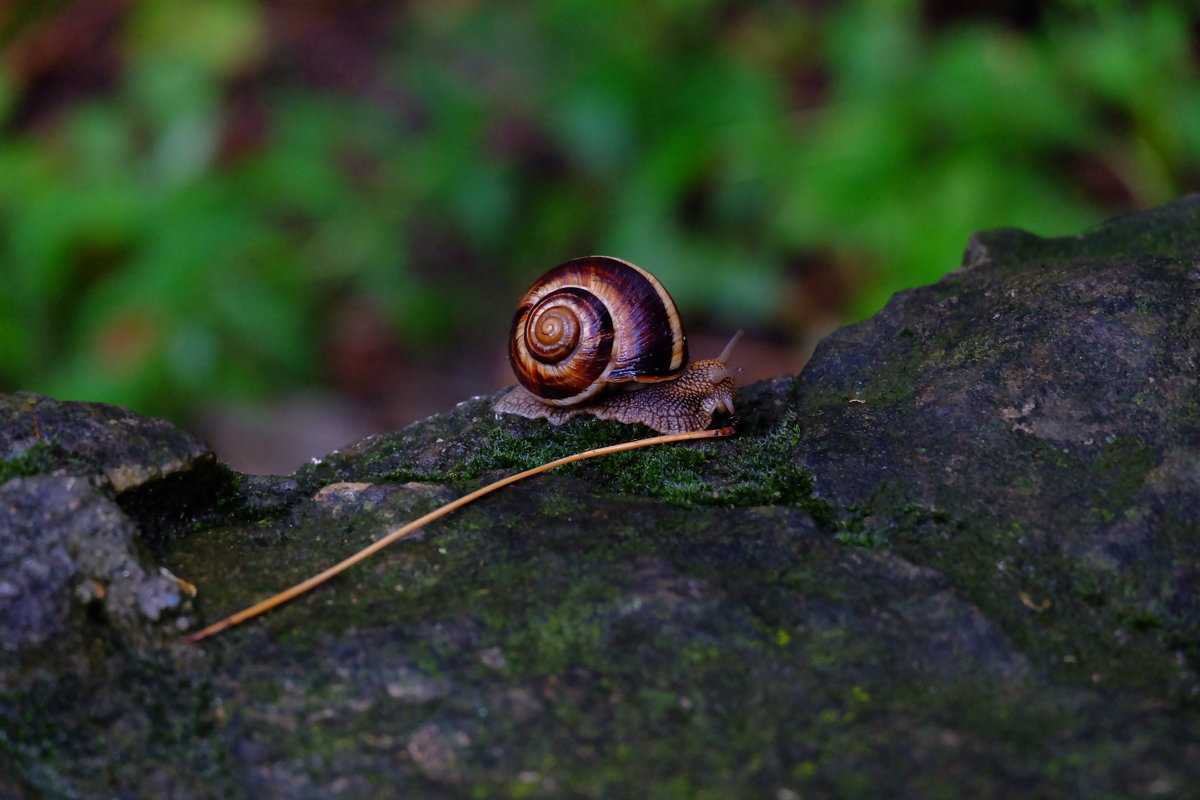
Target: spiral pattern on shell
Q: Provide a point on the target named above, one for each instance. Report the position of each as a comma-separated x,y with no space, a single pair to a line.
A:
593,322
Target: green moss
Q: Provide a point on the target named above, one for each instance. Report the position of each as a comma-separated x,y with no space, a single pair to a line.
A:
153,720
1116,475
38,459
860,537
973,349
760,471
506,447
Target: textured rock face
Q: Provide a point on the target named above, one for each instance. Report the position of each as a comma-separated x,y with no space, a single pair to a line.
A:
958,555
63,544
1044,399
111,445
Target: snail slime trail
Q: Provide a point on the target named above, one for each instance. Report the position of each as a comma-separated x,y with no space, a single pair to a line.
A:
595,335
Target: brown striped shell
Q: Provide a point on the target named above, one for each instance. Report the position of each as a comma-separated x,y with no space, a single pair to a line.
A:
591,323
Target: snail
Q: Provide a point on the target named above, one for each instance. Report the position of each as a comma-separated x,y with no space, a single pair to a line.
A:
601,336
595,335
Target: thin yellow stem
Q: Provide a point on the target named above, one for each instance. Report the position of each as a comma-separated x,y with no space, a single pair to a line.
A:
438,513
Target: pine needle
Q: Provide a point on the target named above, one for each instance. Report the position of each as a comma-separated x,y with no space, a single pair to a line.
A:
438,513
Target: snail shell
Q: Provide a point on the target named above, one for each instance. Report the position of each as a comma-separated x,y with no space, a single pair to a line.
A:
601,336
593,322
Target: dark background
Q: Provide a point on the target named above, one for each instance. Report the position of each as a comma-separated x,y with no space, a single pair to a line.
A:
287,224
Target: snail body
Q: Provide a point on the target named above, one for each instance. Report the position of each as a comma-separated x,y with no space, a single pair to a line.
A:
602,336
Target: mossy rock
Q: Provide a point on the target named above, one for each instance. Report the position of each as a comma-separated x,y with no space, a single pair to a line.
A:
958,556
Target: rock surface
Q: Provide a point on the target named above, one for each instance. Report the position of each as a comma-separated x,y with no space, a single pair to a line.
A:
959,555
109,444
62,543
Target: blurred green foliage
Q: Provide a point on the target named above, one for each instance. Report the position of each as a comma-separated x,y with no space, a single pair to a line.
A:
734,149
